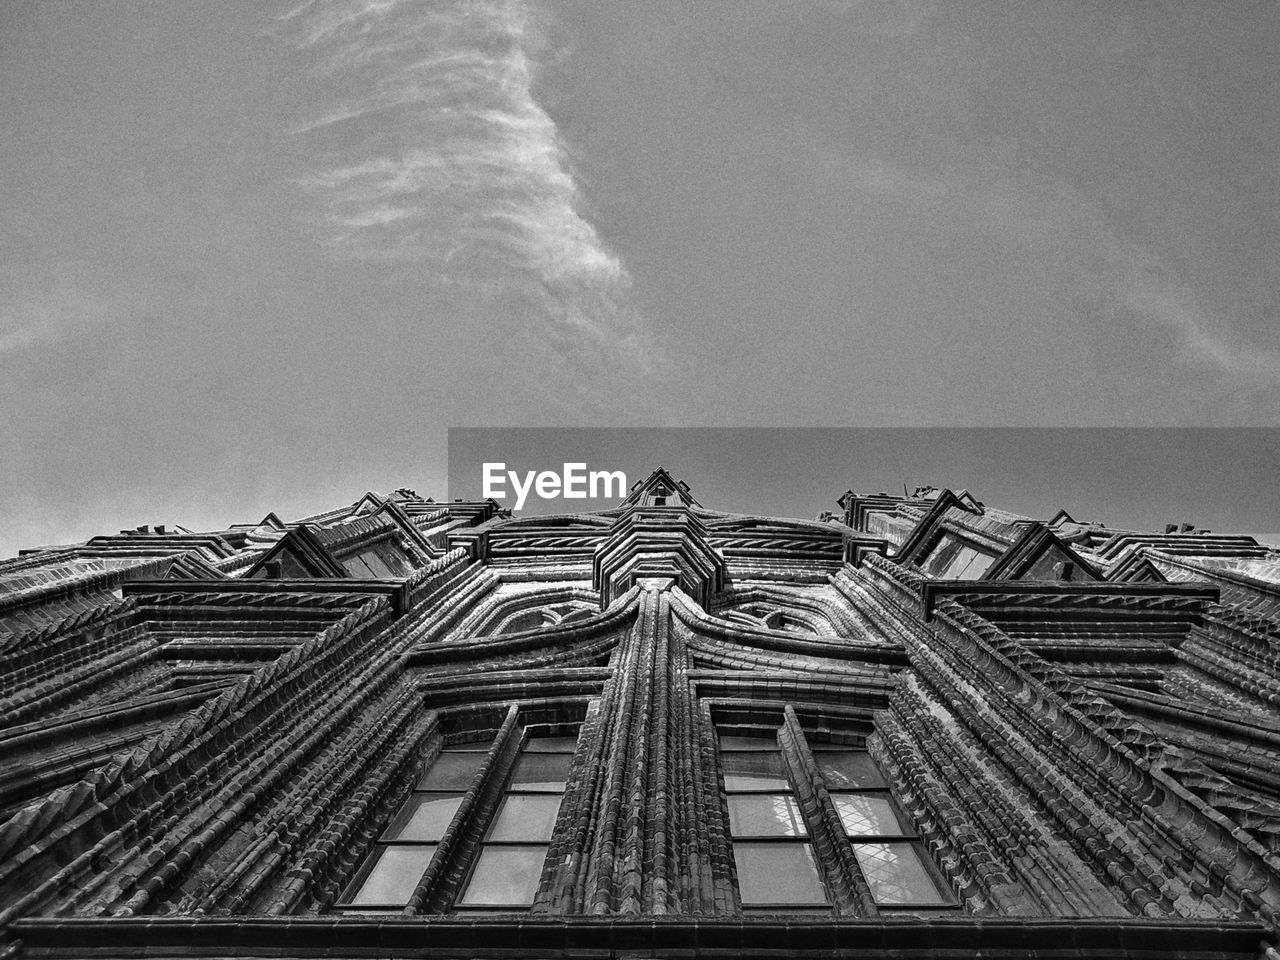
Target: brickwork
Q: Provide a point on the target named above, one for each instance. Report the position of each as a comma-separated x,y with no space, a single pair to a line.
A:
206,738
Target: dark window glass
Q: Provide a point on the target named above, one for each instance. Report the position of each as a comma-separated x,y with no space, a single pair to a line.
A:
542,772
505,876
358,569
425,817
896,873
754,771
394,875
525,817
765,815
452,771
376,565
529,620
782,873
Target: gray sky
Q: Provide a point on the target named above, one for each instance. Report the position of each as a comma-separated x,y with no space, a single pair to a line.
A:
259,256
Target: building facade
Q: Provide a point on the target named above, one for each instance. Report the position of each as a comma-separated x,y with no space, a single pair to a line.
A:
915,727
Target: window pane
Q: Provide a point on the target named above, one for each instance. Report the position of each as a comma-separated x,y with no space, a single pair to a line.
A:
867,813
748,743
394,876
765,815
848,769
526,818
896,874
506,876
452,771
975,566
424,817
545,772
754,771
777,873
551,744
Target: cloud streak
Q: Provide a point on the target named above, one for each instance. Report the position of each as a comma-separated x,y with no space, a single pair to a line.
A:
32,314
1063,224
1162,302
439,154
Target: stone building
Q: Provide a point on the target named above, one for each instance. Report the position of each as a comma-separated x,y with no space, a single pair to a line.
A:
919,727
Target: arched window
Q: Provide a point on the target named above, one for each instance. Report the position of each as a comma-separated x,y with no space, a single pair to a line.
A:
528,620
778,620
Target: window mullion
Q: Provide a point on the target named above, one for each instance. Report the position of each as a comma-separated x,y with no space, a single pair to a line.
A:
784,849
537,776
436,888
844,880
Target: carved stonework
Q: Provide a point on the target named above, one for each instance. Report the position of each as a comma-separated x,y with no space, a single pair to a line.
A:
921,727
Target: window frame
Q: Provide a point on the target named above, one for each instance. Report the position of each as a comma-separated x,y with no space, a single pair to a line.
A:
530,746
728,745
948,571
347,900
459,906
907,833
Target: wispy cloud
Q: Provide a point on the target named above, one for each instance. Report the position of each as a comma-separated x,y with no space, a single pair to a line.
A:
34,314
1064,224
439,154
1160,300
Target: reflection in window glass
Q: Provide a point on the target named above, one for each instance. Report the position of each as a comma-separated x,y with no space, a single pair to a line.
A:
956,559
867,814
754,771
782,873
505,876
405,849
541,772
849,770
765,815
453,770
897,871
425,817
776,869
523,817
394,875
509,867
896,874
